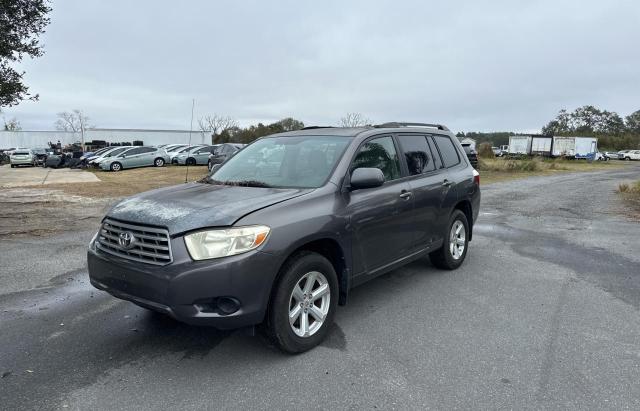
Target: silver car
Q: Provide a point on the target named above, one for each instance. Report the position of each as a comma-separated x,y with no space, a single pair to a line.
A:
196,156
22,158
108,154
136,157
175,153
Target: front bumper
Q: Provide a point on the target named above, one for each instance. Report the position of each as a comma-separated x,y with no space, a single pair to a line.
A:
180,160
188,290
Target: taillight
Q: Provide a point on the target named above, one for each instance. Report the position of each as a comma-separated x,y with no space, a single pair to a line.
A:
476,177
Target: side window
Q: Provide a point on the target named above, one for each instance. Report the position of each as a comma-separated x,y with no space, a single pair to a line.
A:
434,152
447,151
147,149
133,151
416,153
379,153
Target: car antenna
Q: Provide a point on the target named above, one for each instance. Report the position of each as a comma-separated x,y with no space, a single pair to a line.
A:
193,104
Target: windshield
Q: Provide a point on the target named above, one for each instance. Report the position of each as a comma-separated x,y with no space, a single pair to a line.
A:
283,162
21,153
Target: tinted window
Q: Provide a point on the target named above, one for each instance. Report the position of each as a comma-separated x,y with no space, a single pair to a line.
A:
379,153
416,153
447,150
133,151
147,149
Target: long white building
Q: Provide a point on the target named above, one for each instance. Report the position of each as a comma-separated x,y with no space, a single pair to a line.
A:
33,139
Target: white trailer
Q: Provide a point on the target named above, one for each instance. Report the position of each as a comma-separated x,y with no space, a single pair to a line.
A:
541,145
519,145
577,147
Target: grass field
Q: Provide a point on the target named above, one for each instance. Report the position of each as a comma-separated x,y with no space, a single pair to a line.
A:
630,194
129,182
501,169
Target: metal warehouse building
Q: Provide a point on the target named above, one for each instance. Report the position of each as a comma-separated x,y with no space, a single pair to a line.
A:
32,139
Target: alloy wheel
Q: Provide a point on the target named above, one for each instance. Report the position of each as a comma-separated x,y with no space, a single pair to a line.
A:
457,240
309,304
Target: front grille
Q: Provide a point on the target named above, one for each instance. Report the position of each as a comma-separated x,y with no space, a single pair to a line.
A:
149,245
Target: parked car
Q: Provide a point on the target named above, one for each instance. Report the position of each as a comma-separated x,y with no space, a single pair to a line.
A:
472,155
610,155
224,151
196,156
87,157
136,157
631,155
40,155
22,157
113,152
283,230
174,154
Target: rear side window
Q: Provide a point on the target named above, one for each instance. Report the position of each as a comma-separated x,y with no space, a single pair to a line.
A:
447,150
416,153
147,149
379,153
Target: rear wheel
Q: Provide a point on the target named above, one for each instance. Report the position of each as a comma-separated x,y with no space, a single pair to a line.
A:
158,162
456,240
303,303
115,166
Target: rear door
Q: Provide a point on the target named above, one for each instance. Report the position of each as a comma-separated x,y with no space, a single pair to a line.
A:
147,156
426,186
381,217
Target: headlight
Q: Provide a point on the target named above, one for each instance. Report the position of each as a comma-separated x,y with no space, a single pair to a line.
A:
208,244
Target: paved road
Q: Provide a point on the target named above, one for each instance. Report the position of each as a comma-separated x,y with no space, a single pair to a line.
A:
543,314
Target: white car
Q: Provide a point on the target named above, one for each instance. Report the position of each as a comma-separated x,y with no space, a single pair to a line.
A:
22,157
631,155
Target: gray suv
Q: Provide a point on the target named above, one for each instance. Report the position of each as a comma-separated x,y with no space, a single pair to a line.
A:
281,232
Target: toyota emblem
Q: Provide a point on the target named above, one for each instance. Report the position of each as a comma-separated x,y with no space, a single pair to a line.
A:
126,240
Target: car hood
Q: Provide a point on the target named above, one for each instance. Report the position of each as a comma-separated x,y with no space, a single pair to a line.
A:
193,206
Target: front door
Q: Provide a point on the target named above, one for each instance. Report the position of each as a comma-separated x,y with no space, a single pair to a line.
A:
381,217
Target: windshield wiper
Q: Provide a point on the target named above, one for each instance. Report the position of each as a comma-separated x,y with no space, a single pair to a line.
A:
241,183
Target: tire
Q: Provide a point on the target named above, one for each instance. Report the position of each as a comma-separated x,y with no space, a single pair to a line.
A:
190,161
13,166
289,336
209,165
449,256
115,166
627,159
158,162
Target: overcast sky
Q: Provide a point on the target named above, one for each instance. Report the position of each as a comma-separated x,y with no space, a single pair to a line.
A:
473,65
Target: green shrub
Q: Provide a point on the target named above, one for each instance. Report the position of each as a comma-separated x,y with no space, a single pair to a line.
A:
485,151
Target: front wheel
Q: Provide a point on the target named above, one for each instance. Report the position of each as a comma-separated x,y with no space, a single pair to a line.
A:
191,161
627,159
115,166
303,303
158,162
456,240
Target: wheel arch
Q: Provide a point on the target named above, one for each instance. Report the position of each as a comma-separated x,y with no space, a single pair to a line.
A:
466,208
333,251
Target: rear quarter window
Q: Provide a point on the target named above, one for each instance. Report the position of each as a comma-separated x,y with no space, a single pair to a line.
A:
448,151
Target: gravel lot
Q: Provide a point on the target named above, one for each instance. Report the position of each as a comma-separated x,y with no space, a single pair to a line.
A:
543,314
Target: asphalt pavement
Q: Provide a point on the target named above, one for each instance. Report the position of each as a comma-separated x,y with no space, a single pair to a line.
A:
544,314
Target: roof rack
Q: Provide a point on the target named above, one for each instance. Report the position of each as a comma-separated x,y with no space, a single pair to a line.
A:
395,124
314,127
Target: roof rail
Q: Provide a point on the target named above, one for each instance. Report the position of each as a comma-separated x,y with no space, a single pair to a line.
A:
395,124
314,127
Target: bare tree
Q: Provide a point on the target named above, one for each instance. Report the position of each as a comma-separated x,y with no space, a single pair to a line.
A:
216,124
354,120
12,125
75,121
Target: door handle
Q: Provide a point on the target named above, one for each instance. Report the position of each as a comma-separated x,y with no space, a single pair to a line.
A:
405,195
446,183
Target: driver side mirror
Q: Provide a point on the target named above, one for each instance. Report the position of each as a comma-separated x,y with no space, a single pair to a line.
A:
366,177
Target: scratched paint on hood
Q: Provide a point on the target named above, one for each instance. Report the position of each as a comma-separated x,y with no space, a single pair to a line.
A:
150,208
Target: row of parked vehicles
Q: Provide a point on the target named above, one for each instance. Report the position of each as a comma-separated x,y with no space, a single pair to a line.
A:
116,158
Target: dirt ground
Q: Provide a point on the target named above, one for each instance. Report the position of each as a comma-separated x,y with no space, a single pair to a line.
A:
46,210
